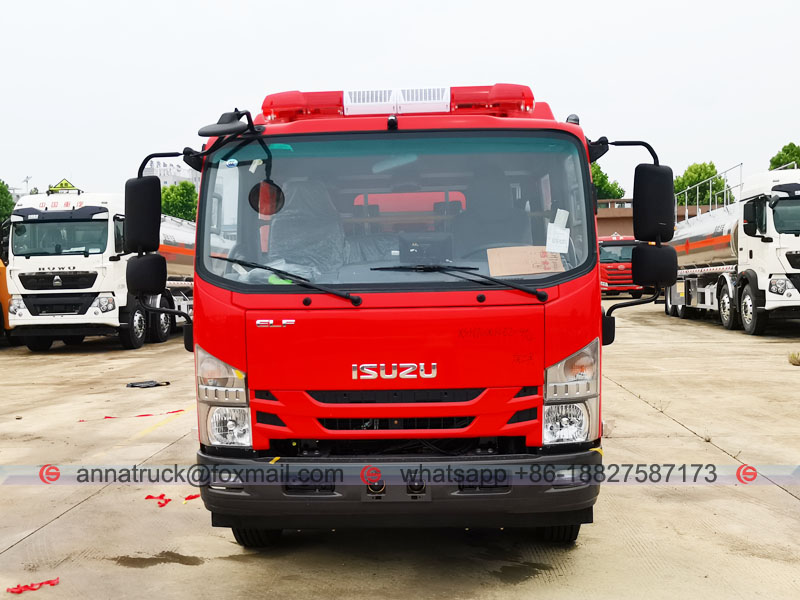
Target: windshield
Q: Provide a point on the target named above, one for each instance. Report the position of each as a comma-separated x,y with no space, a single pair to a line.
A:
59,237
333,208
786,215
615,254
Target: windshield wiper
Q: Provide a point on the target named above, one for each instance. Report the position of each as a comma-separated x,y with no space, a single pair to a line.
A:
296,279
450,269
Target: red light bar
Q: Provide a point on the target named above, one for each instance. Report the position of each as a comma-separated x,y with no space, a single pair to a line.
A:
501,99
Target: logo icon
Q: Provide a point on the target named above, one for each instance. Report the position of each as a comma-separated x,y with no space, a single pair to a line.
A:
49,473
57,281
746,474
370,474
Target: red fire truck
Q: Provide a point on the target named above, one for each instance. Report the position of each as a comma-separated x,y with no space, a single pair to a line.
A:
616,274
398,281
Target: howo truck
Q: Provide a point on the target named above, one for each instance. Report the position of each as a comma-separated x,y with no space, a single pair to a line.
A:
742,260
408,281
66,272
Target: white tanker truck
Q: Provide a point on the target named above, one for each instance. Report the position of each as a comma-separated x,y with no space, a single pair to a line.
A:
66,272
742,260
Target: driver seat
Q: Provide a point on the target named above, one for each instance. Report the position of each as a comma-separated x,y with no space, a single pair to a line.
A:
308,230
490,217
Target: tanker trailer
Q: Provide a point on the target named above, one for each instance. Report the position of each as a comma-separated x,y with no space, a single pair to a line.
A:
67,272
742,261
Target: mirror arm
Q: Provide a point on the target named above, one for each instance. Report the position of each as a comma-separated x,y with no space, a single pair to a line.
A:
168,311
637,143
150,157
652,298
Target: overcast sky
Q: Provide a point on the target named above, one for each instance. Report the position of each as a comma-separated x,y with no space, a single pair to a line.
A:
87,88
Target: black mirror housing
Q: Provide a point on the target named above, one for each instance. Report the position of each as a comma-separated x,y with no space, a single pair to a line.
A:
142,214
228,124
653,203
749,219
146,274
654,266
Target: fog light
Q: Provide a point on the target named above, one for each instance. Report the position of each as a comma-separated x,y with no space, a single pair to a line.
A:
229,426
565,423
777,286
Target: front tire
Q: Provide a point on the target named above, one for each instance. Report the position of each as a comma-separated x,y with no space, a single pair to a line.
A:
38,343
636,294
753,321
133,334
160,325
669,308
256,538
562,534
728,315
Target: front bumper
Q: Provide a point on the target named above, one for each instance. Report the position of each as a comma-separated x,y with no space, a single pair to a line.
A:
519,504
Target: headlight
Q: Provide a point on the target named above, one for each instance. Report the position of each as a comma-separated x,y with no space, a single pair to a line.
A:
779,286
229,426
104,302
572,405
15,305
222,403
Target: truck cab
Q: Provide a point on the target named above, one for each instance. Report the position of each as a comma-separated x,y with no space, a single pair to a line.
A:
66,275
616,271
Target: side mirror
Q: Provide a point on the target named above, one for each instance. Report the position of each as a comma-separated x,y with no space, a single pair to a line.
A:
653,203
228,124
142,214
749,219
654,266
146,274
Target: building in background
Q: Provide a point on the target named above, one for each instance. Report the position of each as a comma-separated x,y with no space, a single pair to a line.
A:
172,173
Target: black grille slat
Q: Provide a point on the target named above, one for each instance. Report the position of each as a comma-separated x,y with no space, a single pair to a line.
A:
526,414
266,418
366,424
51,304
394,396
794,260
795,278
76,280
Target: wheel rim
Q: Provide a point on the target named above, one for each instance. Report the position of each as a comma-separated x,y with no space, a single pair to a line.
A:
725,307
747,309
138,324
163,323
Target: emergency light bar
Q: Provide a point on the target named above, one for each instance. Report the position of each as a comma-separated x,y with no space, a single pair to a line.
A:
502,99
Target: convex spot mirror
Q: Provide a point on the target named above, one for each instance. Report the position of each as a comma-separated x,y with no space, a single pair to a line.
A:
266,198
653,203
749,219
654,266
142,214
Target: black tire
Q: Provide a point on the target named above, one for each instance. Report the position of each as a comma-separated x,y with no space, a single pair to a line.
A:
73,340
683,312
133,333
38,343
15,340
636,294
669,308
754,322
256,538
728,315
160,325
559,533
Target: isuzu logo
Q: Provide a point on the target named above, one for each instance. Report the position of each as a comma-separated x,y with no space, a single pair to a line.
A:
394,371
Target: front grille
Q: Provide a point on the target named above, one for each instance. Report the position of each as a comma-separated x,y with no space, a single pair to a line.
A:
74,280
362,424
795,279
58,304
794,259
393,396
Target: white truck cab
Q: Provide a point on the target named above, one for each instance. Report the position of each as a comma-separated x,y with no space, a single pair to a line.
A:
67,273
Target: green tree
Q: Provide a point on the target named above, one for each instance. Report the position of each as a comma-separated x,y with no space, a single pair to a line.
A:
180,200
789,153
606,189
697,173
6,201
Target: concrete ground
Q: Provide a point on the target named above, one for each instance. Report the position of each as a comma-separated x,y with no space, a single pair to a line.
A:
674,392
